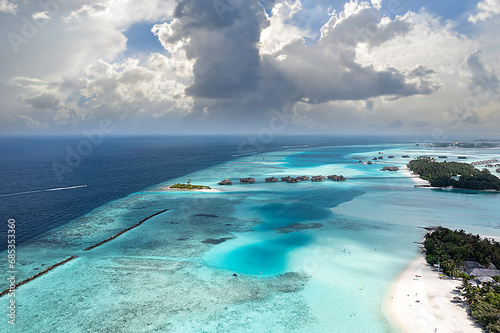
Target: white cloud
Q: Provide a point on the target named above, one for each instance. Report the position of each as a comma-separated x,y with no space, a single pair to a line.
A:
8,7
155,86
41,16
96,10
22,121
281,30
486,9
353,69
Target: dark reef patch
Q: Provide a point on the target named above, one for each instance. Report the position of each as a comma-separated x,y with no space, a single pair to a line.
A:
294,227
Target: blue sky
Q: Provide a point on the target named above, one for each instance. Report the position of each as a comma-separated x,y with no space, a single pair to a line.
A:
231,66
140,40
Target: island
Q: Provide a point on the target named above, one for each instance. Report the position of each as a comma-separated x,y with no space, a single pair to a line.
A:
474,260
188,186
454,174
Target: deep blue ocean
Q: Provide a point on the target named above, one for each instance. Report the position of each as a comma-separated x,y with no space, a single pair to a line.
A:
111,169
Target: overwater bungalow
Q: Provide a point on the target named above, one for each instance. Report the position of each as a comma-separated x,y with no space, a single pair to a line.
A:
271,179
290,179
317,178
390,168
336,178
225,181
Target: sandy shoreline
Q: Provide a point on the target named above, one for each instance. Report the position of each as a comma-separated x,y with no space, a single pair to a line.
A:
421,302
416,178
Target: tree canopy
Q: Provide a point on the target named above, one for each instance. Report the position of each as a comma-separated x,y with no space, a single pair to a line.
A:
441,174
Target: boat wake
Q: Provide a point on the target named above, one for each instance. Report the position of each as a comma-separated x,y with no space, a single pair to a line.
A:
298,146
47,190
236,155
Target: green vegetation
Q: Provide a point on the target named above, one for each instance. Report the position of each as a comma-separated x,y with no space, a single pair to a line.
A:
441,174
484,305
451,248
190,187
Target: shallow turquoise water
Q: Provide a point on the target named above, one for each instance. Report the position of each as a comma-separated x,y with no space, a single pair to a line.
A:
309,257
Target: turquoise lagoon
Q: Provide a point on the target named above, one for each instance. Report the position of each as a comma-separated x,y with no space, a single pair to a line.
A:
308,257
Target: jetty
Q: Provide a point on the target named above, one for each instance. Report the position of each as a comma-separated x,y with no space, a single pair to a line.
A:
485,162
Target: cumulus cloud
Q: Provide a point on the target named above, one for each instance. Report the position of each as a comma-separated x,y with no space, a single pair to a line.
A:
249,62
41,16
22,121
329,70
8,7
155,86
236,62
482,81
97,10
224,47
43,101
282,30
485,10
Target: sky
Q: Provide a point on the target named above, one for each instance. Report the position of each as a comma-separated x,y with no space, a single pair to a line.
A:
385,67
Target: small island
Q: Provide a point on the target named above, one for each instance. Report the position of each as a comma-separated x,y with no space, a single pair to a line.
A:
454,174
188,186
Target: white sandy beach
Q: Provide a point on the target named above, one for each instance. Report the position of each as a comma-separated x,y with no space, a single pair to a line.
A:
416,178
421,302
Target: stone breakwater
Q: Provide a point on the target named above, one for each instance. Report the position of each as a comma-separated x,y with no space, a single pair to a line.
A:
124,231
3,293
